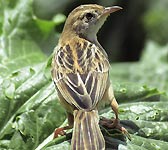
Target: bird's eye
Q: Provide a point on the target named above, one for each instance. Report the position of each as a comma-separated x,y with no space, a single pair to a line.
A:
89,16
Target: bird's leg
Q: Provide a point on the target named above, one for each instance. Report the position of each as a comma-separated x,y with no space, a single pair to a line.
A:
61,131
116,122
114,106
113,123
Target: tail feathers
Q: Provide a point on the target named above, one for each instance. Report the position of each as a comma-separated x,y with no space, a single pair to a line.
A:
87,134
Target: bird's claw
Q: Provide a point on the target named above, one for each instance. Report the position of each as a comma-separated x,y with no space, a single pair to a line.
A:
125,132
59,131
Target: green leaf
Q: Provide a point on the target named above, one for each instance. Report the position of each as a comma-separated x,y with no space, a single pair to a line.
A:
128,92
18,48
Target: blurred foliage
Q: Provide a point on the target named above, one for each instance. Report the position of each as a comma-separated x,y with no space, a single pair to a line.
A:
152,68
29,108
155,21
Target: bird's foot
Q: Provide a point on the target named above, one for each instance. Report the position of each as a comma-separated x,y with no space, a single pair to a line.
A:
114,124
59,131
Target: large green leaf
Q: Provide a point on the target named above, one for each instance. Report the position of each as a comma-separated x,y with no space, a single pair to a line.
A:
18,48
23,68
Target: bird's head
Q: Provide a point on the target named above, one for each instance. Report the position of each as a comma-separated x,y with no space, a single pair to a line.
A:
86,20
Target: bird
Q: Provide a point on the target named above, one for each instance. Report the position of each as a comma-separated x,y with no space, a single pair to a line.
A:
80,72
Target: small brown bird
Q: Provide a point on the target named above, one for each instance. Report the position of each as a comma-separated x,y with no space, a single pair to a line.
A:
80,71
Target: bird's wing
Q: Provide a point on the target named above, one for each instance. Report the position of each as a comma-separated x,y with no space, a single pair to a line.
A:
81,82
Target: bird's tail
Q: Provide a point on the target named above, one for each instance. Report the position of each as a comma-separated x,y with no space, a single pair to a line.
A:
86,133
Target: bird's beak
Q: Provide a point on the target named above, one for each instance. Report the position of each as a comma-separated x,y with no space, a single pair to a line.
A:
108,10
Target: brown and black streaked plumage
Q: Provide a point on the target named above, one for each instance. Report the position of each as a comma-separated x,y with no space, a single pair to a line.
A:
80,71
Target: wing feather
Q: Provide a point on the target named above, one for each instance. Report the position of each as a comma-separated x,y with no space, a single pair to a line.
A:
86,86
